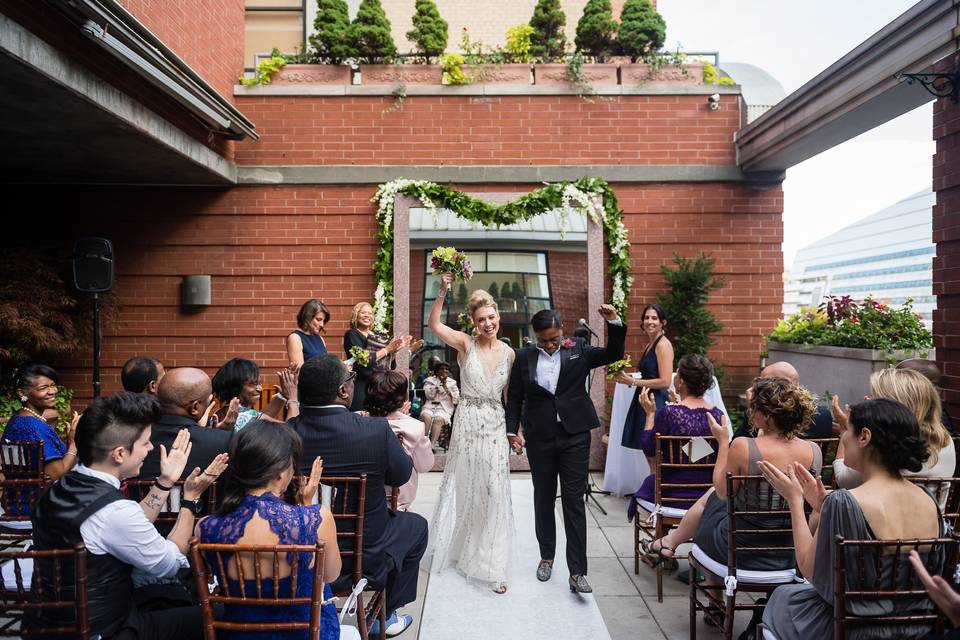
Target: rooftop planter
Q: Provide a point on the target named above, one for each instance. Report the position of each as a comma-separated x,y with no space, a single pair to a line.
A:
643,73
387,74
314,74
838,345
593,74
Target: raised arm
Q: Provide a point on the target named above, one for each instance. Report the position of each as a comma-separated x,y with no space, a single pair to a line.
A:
453,338
616,336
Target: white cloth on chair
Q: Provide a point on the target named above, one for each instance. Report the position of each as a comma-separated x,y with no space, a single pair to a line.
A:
713,398
625,468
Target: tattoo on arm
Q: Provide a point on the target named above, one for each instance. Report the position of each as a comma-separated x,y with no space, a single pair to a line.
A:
154,500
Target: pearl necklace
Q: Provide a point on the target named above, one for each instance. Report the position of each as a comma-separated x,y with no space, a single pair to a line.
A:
34,413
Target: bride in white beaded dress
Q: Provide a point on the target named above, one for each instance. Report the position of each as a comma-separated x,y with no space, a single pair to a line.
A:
472,525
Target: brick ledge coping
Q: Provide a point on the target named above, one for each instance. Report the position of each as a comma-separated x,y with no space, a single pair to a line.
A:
649,89
516,174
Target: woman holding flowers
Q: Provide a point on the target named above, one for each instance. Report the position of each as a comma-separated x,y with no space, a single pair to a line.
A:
473,522
359,340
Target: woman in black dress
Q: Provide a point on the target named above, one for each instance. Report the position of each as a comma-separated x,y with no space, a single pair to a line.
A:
306,342
360,335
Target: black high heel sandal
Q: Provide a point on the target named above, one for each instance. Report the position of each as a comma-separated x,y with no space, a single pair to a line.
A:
655,557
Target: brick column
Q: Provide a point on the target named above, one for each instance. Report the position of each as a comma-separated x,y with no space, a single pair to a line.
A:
946,234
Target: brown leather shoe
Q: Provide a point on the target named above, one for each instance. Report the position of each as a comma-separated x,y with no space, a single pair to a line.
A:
579,584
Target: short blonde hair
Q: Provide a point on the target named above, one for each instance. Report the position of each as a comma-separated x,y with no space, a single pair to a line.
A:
355,314
478,300
913,390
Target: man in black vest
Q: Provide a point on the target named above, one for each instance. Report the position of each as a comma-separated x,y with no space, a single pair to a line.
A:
548,396
86,506
350,444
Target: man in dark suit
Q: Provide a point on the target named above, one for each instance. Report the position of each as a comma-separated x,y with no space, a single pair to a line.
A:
548,396
184,395
350,444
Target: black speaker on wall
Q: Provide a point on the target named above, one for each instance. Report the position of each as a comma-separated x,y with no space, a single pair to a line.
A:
93,265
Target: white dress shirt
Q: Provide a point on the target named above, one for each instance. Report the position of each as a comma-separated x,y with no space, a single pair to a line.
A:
548,369
122,529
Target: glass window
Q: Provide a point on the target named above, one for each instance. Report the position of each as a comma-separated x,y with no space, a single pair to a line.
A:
269,24
522,262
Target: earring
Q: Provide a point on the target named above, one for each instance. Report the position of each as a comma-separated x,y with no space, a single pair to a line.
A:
23,399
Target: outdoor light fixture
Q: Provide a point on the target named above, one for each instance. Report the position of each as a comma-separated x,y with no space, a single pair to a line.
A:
195,291
940,85
714,101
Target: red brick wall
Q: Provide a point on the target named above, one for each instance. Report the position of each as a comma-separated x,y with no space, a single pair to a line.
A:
946,233
270,248
207,34
568,285
534,130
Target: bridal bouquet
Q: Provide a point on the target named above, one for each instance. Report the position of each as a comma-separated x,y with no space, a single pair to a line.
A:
359,356
449,260
616,367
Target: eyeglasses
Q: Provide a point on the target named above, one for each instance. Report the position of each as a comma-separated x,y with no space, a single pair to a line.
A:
46,387
350,376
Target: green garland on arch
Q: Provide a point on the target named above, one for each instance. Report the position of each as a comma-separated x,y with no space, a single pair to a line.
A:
592,196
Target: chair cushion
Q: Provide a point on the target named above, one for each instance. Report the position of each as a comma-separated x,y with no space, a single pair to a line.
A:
666,512
784,576
767,634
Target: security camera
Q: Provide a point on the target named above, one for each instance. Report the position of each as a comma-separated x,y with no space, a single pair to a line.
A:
714,101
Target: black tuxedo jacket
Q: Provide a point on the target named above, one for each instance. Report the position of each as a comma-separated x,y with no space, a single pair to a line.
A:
350,445
207,444
537,409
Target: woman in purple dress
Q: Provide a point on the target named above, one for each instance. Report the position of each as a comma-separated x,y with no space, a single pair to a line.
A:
687,418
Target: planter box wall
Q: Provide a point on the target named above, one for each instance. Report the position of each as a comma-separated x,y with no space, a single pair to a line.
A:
388,74
313,74
639,73
842,371
594,74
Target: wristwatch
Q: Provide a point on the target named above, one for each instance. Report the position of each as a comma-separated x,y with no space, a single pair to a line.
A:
195,506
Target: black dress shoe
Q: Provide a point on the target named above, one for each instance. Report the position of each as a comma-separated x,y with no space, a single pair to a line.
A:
579,584
544,570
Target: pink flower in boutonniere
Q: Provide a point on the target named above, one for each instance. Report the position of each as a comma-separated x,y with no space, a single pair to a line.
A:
568,344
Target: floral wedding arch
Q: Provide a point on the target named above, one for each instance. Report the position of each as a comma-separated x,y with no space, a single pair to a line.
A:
590,196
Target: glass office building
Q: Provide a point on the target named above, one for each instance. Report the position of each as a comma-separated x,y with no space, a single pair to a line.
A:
887,255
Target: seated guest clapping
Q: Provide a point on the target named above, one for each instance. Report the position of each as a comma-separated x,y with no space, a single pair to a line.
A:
186,398
882,439
687,418
86,505
237,387
265,504
350,445
387,393
443,396
779,411
918,394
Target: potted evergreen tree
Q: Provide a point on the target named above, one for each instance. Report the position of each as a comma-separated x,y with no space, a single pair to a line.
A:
641,34
328,47
429,35
370,36
596,38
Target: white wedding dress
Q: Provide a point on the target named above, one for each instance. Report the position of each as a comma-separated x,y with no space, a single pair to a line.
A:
472,525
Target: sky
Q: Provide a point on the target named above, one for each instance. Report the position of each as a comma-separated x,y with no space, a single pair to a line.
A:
794,41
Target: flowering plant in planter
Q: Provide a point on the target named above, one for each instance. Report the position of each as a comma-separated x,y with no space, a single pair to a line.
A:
844,322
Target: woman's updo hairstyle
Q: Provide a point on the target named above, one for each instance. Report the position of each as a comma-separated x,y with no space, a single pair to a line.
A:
386,392
478,300
258,454
696,372
789,406
896,441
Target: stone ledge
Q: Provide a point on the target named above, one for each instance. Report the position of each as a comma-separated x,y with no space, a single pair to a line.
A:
650,89
364,174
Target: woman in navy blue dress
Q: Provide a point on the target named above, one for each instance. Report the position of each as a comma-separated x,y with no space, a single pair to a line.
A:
262,506
36,386
306,341
656,367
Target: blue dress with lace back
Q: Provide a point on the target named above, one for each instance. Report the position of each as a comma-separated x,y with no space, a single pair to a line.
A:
293,525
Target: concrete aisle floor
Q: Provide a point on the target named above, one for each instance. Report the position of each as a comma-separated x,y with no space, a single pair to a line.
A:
627,602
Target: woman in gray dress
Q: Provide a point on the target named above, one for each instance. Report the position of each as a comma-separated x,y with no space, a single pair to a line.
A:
883,437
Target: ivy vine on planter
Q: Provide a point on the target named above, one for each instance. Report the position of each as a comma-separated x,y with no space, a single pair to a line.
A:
591,196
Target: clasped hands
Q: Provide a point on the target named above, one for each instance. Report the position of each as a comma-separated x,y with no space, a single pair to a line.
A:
517,442
173,463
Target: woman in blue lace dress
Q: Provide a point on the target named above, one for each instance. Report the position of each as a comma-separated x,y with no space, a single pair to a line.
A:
262,505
